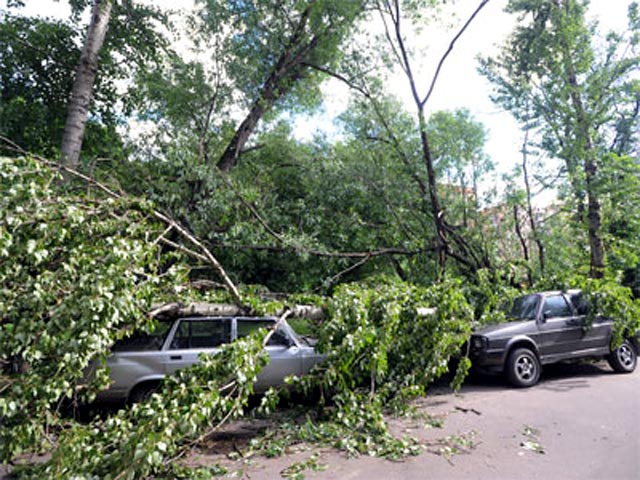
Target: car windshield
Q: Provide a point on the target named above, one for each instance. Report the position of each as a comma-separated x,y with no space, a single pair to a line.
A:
247,326
300,339
524,308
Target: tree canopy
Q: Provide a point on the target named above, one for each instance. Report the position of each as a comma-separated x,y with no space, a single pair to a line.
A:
193,184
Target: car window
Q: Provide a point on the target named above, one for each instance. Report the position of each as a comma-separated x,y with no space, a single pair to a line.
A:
144,341
525,307
556,306
207,333
245,327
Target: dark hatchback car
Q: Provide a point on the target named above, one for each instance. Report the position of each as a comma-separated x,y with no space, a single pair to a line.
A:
547,327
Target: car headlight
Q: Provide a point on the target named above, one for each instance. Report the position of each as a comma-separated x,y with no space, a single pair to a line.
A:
479,342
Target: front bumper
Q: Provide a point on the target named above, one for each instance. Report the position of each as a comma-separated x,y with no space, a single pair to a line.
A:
487,360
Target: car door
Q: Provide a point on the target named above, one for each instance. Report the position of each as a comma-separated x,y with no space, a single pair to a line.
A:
596,336
560,327
285,356
136,359
193,336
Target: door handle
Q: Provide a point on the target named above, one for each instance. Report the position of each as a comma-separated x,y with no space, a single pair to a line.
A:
175,357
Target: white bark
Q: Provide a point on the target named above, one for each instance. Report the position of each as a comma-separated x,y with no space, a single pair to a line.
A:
197,309
82,92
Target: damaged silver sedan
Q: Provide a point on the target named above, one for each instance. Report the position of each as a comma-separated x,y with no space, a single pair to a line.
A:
140,362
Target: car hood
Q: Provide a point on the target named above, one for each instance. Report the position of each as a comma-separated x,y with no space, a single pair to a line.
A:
500,329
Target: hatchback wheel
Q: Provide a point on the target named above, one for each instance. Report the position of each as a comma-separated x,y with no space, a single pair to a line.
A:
624,358
523,368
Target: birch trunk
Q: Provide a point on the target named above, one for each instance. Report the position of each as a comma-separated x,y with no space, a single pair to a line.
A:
287,71
199,309
82,92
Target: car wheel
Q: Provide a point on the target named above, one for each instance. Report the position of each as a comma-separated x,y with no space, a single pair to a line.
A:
624,358
523,368
142,392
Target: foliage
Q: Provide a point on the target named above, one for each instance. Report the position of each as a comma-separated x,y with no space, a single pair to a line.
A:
349,216
379,355
457,144
34,86
380,352
492,293
272,38
66,300
578,92
77,272
290,213
622,205
609,299
147,439
375,332
369,436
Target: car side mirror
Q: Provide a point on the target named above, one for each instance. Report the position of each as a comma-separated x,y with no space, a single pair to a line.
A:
546,315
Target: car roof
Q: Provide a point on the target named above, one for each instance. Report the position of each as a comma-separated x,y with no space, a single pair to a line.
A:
256,319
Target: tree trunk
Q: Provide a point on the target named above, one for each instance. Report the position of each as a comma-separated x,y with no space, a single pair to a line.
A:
286,72
595,222
179,310
82,92
594,218
532,220
242,134
463,189
523,242
436,210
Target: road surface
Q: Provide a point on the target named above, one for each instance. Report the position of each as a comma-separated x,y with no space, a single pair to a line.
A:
579,422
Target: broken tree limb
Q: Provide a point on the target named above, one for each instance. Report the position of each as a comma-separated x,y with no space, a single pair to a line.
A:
203,254
202,309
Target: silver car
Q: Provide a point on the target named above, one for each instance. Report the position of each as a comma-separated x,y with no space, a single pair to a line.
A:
138,363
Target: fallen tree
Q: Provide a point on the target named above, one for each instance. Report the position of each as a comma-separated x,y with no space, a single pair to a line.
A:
173,310
81,270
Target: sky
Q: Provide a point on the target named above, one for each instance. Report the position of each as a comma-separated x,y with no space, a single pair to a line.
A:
459,84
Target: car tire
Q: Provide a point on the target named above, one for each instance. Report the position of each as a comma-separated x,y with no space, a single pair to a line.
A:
523,368
142,393
624,358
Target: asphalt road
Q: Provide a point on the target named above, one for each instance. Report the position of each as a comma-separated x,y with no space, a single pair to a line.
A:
579,422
